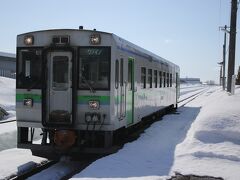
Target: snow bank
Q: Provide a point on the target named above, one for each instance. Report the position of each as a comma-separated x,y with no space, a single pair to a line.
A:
7,93
16,161
8,133
7,96
203,139
212,145
8,136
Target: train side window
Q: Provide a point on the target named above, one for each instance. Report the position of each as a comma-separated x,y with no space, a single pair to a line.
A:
171,80
155,78
150,78
121,72
164,79
117,74
177,80
167,79
143,77
160,79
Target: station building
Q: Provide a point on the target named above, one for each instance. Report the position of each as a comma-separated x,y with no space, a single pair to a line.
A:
7,65
190,80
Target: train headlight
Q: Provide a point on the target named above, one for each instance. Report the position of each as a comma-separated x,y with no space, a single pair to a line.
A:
28,102
94,104
95,39
28,40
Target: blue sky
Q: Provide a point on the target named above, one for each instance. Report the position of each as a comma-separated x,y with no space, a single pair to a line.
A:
182,31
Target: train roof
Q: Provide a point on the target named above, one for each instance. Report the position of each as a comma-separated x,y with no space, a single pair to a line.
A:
65,30
139,51
121,43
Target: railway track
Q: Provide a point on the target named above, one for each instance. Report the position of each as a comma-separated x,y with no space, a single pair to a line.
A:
190,98
63,169
32,171
7,121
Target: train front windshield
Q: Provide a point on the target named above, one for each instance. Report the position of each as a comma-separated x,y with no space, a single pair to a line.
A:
94,68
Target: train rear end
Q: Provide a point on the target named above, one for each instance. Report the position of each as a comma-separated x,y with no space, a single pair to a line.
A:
63,93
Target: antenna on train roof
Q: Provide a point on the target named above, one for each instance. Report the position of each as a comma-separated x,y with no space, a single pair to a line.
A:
80,27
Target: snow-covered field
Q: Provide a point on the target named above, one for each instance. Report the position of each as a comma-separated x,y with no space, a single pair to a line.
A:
202,138
7,96
7,101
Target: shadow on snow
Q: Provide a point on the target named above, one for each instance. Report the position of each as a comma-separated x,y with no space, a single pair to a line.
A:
152,154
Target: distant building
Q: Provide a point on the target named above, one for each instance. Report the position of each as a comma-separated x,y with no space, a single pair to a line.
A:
210,82
8,65
190,80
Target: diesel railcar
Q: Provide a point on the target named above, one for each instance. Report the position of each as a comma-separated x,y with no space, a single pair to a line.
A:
76,88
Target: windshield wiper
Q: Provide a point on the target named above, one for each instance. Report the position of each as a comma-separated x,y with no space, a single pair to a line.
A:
87,83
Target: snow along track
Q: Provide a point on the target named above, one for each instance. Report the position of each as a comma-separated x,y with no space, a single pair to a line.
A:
34,170
191,97
64,169
7,121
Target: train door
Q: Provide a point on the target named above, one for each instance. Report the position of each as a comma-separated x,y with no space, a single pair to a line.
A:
130,92
177,87
123,87
60,88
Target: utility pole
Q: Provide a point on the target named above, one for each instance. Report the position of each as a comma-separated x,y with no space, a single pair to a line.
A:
232,44
224,58
221,76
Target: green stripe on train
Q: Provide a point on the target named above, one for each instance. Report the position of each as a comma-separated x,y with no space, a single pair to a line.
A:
35,97
81,99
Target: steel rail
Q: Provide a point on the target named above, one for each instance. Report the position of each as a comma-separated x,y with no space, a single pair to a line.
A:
33,171
7,121
191,98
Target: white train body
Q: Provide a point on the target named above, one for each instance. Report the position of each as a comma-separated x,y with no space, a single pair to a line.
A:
82,81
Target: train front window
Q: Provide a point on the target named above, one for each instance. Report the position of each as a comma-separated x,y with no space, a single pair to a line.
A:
94,68
60,72
29,69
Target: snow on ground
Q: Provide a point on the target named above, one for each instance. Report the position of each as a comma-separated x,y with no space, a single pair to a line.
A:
151,155
202,138
13,161
7,96
187,91
212,145
7,101
8,136
16,161
188,88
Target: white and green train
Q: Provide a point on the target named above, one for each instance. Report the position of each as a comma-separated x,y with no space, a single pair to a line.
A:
80,88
